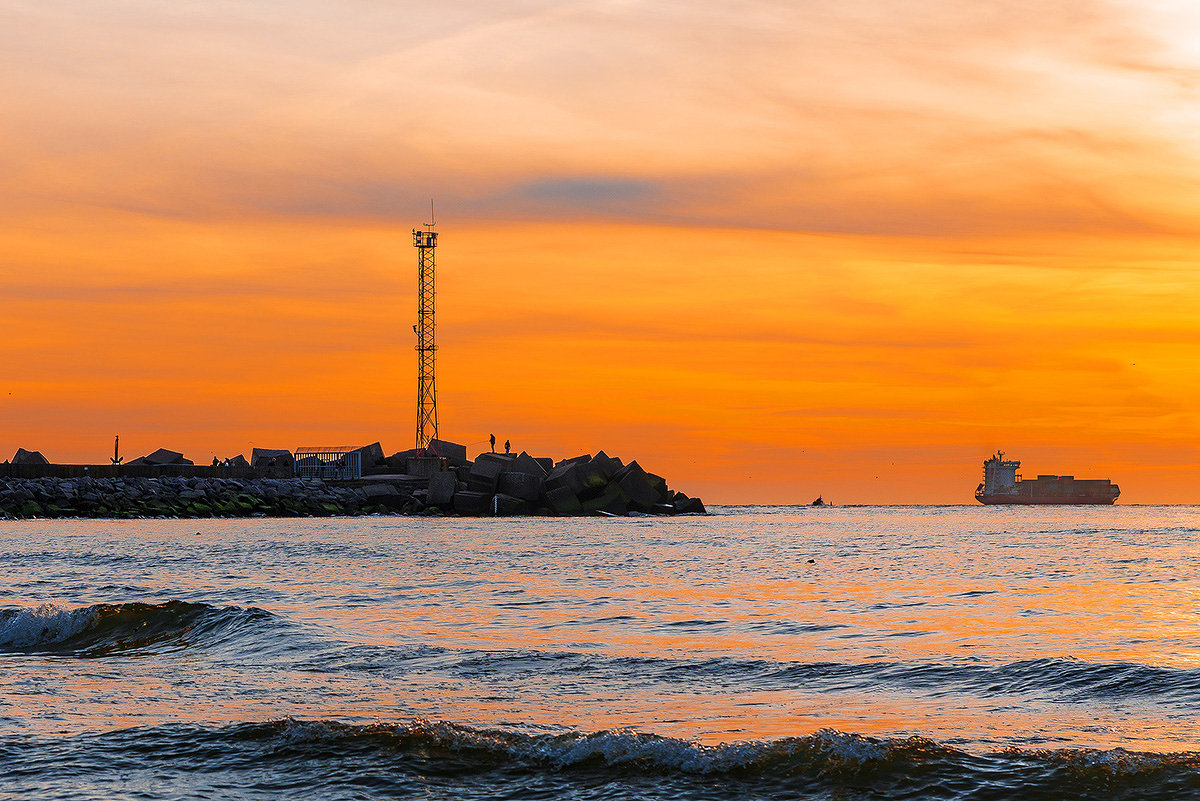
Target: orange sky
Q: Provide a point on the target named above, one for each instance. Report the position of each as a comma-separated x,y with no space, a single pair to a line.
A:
769,249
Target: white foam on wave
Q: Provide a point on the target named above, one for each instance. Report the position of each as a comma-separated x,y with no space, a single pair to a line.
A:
616,748
850,747
629,747
43,625
624,748
1118,761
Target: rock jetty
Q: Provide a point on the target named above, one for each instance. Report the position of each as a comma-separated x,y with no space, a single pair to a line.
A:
175,496
410,482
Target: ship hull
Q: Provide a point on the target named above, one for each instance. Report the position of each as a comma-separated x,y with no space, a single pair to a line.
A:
1017,500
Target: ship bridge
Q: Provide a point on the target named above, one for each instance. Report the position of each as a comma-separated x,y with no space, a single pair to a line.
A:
1000,475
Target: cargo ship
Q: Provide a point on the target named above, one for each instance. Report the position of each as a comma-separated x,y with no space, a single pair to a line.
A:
1003,485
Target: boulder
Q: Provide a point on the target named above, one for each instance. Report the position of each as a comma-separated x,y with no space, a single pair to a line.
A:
380,491
471,504
485,474
370,456
591,477
504,505
273,462
521,485
164,456
425,466
605,465
562,501
452,452
441,490
526,465
398,462
633,480
685,506
565,475
23,456
659,484
383,495
612,501
502,459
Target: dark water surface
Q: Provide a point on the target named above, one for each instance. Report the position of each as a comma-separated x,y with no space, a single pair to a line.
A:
760,652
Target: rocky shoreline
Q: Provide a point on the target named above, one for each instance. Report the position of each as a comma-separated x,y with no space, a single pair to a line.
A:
176,497
492,485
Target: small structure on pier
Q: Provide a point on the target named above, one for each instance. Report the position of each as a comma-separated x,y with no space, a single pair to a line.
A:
328,463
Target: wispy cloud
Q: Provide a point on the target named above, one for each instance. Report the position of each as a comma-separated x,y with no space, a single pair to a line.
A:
865,116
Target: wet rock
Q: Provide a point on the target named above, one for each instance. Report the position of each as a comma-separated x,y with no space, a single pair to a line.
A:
505,505
442,487
383,495
471,504
684,505
563,501
592,478
612,500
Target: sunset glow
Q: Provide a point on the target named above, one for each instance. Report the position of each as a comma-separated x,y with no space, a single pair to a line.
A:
771,250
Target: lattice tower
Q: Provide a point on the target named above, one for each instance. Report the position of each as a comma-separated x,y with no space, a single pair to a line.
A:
427,416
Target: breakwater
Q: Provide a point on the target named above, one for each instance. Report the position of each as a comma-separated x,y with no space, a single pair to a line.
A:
493,484
174,496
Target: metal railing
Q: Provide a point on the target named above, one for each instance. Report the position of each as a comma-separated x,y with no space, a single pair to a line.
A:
328,464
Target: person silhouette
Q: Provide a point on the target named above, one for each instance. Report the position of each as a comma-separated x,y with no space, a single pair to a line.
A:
507,447
492,438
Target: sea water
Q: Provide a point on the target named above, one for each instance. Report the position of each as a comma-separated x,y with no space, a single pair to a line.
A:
758,652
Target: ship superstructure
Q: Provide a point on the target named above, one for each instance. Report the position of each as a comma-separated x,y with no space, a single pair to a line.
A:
1003,485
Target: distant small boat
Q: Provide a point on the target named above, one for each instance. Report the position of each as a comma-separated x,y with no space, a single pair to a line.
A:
819,502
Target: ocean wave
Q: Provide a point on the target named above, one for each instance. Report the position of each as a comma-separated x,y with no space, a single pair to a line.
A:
103,629
1047,679
323,757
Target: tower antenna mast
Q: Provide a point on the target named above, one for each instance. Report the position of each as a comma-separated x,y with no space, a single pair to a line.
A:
425,329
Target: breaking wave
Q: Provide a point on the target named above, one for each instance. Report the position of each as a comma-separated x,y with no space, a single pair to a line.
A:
319,758
103,629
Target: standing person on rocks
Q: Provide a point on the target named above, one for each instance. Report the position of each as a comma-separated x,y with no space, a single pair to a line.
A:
507,448
492,438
